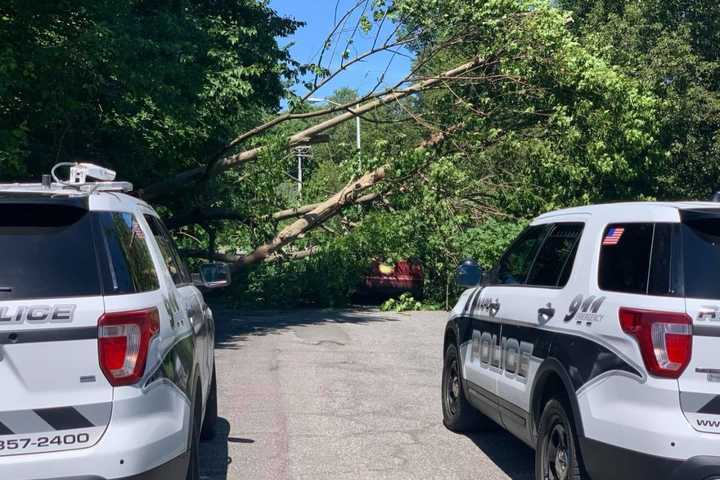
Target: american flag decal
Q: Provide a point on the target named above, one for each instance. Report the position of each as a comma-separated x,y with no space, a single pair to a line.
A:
613,236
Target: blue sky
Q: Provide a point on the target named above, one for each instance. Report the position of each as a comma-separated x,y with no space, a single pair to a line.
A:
319,16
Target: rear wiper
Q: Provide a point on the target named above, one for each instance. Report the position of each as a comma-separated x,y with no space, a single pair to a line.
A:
6,289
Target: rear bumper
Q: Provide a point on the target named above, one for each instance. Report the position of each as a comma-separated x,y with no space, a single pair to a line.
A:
147,437
608,461
175,469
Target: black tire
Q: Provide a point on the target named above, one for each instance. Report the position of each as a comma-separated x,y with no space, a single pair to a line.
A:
458,415
209,427
557,456
193,472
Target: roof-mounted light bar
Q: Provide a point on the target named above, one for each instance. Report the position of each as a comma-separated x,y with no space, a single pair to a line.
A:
80,172
76,184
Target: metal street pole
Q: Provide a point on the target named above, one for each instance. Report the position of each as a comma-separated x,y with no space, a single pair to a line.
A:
359,144
299,176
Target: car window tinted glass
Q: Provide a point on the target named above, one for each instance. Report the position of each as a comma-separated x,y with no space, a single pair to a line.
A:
174,263
701,255
663,272
128,266
516,262
625,258
46,251
555,259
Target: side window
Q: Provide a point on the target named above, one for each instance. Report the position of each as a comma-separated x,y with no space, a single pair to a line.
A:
128,266
516,263
555,259
175,265
664,278
625,258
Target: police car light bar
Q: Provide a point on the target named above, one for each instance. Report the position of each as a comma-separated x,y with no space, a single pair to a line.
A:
80,172
77,183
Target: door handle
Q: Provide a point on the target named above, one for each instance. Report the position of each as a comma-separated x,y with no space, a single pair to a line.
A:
545,314
493,308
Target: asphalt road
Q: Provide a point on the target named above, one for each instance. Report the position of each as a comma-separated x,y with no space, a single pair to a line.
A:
342,395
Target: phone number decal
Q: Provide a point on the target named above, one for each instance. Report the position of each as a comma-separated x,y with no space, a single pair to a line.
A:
48,442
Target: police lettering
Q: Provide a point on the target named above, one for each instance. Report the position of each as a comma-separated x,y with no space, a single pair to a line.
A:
507,355
37,314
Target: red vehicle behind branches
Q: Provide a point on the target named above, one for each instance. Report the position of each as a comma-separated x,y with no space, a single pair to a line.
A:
386,280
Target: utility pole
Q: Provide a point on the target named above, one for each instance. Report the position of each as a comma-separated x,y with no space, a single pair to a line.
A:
359,144
302,153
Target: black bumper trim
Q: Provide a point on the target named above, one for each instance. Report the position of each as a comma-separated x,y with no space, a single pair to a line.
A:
607,461
174,469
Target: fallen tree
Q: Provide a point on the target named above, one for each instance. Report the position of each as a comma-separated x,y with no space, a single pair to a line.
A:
319,215
194,175
316,215
230,258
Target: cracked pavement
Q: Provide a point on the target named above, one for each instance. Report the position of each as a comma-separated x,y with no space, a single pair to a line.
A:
336,394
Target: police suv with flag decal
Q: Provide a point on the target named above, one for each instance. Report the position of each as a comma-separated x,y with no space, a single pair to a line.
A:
596,341
106,344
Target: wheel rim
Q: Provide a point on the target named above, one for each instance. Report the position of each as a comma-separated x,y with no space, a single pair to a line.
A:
557,454
452,387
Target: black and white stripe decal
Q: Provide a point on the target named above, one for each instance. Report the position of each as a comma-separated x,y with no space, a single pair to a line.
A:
45,335
26,422
701,403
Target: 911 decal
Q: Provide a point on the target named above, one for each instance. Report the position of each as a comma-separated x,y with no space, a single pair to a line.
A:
585,310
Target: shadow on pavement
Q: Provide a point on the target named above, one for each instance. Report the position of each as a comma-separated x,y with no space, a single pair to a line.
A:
511,455
214,458
234,326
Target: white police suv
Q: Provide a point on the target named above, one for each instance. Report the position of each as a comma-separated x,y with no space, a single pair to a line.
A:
106,345
596,340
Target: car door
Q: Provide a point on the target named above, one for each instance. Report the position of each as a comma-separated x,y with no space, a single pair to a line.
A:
190,298
485,306
525,309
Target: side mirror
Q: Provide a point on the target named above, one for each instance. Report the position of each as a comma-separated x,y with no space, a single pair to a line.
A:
214,275
470,274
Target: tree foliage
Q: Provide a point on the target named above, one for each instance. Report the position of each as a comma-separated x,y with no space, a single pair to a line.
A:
566,103
145,87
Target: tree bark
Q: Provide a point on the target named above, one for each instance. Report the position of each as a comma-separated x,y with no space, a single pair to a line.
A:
229,258
296,212
323,211
159,189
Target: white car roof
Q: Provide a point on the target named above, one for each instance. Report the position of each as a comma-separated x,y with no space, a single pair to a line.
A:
99,200
627,212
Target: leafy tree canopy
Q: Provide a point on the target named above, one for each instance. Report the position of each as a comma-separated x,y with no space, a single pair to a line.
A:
146,87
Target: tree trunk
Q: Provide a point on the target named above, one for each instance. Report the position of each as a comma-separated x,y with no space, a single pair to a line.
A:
322,212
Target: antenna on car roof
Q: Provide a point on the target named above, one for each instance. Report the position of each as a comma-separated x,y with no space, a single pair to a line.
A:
715,197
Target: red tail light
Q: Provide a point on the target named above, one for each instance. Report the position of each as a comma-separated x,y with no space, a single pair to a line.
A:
123,343
665,339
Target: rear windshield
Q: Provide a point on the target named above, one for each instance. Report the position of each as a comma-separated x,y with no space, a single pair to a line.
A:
701,255
46,251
